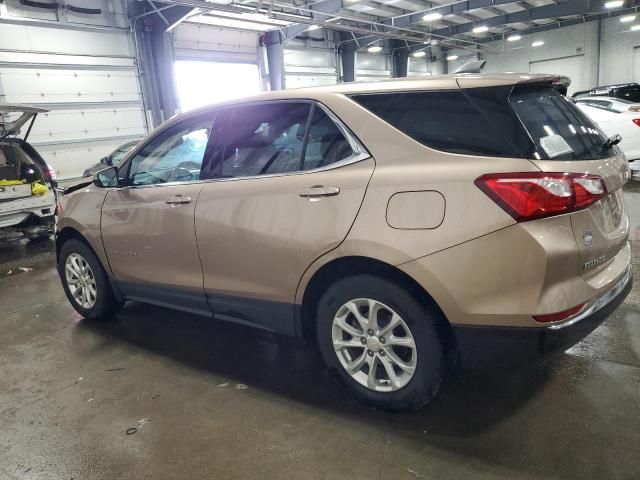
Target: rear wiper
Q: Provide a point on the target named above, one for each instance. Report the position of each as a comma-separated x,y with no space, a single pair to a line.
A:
611,141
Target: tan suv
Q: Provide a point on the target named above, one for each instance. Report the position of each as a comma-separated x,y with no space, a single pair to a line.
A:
404,224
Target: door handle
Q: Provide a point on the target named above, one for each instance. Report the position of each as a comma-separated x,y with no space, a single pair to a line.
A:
178,200
319,191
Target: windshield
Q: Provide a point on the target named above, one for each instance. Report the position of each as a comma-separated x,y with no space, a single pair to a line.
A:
559,130
119,154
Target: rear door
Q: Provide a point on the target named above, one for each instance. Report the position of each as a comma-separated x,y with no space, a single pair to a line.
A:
287,186
566,140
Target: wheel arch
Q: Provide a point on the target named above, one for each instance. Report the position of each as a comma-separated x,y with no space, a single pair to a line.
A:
358,265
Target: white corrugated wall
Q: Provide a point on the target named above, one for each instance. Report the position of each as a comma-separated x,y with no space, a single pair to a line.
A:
81,67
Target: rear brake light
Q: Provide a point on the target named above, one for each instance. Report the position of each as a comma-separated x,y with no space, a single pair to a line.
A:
636,121
558,316
532,195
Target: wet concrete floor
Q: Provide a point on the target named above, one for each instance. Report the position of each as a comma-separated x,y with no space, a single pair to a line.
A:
221,401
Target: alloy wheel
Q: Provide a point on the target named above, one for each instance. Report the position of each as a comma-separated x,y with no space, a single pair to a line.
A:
81,281
374,345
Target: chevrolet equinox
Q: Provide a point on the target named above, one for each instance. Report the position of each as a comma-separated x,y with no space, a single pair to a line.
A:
405,225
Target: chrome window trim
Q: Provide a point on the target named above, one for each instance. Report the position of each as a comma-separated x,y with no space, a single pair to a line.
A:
359,151
599,303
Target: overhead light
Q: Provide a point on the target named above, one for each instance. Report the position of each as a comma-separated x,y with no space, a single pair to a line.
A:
514,38
634,28
451,58
419,54
430,17
627,18
374,49
537,43
614,4
313,27
480,29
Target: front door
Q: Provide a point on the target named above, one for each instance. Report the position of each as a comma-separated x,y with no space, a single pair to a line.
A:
289,186
148,225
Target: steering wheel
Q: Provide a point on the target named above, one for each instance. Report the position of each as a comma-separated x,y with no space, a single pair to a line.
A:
183,172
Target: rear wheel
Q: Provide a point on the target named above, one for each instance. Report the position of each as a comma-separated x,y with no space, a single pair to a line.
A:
85,282
381,342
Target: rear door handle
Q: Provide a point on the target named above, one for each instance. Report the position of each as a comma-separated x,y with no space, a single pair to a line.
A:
319,191
178,200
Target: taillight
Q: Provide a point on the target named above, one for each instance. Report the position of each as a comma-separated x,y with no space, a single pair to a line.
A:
556,317
531,195
636,121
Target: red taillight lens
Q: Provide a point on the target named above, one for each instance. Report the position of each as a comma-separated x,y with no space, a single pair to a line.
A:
558,316
636,121
527,196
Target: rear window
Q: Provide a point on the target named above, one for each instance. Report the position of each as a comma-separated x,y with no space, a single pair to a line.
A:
559,130
532,122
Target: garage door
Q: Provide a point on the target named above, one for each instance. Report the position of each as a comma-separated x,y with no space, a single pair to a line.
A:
572,67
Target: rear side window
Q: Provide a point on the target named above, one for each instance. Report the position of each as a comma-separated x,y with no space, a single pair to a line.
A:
280,137
559,130
522,122
443,120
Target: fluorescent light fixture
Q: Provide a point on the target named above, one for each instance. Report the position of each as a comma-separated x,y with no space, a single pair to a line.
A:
451,58
374,49
614,4
627,18
514,38
430,17
634,28
480,29
537,43
313,27
419,54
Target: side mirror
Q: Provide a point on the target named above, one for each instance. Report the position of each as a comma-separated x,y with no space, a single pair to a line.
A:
104,160
106,178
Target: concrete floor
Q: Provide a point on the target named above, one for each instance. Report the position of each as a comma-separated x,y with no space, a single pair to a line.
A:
220,401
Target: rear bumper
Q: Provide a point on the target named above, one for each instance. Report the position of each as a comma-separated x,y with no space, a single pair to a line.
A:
482,347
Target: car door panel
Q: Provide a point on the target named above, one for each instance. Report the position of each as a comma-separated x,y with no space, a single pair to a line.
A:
257,236
148,224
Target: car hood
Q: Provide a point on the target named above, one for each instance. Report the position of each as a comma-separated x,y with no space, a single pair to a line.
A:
24,113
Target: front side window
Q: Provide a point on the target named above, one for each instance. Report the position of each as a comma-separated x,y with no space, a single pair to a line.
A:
280,137
175,155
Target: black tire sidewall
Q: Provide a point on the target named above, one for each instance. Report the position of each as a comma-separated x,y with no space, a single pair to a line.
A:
422,321
106,304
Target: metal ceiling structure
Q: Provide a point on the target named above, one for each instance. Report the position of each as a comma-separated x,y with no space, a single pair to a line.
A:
459,23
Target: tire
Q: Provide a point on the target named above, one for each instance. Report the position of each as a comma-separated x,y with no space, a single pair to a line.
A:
104,304
425,365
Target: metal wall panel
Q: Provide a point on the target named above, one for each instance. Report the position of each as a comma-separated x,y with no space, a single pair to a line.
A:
87,77
307,67
372,67
204,42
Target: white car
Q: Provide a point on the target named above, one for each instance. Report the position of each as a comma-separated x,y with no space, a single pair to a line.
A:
626,124
609,103
27,183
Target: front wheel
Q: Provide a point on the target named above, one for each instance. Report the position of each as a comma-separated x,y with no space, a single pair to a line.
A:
85,282
381,342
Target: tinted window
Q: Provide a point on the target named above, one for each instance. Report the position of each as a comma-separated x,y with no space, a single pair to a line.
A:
273,138
557,127
264,139
326,144
444,120
174,155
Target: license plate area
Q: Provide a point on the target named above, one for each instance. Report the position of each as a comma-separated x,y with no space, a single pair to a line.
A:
9,192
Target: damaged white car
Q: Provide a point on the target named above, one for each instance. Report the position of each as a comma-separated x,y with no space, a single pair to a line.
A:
27,184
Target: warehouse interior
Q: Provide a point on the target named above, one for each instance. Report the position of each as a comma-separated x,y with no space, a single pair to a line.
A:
161,393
